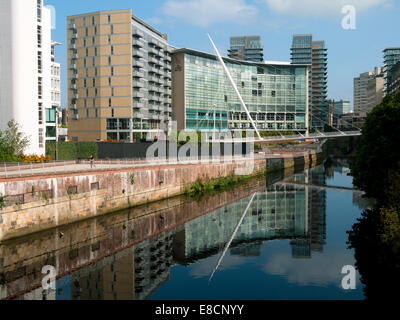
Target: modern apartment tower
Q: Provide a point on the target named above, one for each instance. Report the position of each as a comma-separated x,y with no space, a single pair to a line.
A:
390,56
364,85
276,94
314,53
25,64
246,48
394,85
119,78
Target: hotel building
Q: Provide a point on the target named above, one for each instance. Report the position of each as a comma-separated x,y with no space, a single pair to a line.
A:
26,66
276,94
119,78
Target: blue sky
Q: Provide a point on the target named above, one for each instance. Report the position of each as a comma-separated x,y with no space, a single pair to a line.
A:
187,22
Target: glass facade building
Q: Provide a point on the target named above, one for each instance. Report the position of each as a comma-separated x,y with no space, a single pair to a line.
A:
306,51
247,48
391,57
204,99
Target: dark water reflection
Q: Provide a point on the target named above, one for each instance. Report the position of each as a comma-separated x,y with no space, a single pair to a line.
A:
287,240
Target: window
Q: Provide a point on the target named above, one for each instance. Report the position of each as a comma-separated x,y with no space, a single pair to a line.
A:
40,88
39,10
39,62
39,36
109,19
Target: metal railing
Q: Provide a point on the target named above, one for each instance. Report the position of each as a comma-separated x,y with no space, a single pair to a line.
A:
15,170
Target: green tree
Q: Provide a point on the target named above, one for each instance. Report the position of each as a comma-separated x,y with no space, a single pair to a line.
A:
378,152
13,142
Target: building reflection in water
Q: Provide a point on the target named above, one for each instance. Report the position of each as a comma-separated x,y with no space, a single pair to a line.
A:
295,212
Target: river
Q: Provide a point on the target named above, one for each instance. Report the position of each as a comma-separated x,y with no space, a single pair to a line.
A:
281,239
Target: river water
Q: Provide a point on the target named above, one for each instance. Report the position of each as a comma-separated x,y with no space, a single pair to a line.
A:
285,239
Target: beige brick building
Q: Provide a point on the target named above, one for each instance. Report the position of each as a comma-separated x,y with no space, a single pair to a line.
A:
119,77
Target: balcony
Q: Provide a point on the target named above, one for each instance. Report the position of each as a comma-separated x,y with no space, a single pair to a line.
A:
137,94
73,86
138,53
75,117
137,115
75,96
73,106
138,84
72,66
137,74
154,51
155,61
138,33
74,36
72,46
74,55
168,58
155,79
74,76
138,64
72,26
139,43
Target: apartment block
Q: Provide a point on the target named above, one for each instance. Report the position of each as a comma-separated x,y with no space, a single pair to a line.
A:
391,56
314,53
247,48
276,94
119,78
362,100
375,92
394,85
26,64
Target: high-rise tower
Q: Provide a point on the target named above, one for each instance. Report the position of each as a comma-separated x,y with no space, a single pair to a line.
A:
314,53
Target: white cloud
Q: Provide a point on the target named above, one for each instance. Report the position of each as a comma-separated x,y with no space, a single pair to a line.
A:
320,7
321,270
204,13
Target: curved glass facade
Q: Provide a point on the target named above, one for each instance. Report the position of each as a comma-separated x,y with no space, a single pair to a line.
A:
276,95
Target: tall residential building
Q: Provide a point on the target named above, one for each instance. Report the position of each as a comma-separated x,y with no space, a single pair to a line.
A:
361,83
394,85
25,64
119,78
314,53
375,92
390,56
204,99
246,48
